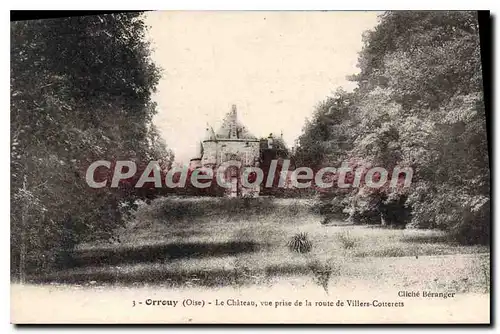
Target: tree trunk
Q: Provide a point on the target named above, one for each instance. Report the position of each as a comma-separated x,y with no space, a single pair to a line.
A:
383,222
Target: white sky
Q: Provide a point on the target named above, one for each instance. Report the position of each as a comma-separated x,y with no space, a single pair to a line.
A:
275,66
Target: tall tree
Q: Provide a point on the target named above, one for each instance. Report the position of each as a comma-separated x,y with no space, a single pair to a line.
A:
419,103
425,70
80,92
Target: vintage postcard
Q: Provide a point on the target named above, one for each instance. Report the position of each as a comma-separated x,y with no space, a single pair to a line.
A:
250,167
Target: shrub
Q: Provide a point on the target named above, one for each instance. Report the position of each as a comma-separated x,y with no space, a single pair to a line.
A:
474,225
364,210
322,272
300,243
394,212
466,218
347,240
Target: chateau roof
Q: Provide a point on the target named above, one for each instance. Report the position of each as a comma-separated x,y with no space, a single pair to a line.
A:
231,128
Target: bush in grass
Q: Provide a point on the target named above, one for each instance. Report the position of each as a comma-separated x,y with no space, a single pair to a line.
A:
347,240
322,272
300,243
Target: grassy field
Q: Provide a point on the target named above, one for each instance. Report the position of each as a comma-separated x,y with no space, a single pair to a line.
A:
234,242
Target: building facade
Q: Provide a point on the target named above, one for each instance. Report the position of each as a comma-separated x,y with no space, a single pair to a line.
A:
232,142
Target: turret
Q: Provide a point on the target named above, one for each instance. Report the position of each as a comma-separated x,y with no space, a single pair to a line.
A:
209,133
233,126
270,141
199,151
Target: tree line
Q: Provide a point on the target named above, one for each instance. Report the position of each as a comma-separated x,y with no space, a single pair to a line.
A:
80,90
418,103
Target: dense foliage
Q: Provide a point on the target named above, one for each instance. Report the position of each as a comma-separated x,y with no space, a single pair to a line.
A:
80,92
419,104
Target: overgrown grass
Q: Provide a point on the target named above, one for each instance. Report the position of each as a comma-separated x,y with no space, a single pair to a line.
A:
485,269
323,271
219,242
183,207
346,239
459,273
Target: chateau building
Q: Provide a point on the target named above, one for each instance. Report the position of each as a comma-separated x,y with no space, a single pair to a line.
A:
233,142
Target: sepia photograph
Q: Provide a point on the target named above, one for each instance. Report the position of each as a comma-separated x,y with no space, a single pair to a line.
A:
250,167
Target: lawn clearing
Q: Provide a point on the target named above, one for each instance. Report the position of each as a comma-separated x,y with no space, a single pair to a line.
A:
217,242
